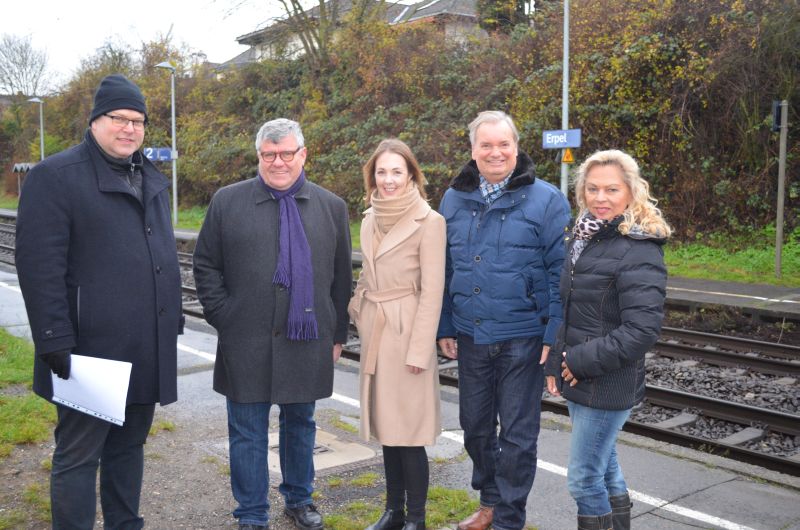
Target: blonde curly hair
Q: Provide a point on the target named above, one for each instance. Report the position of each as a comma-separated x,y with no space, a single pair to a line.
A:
642,210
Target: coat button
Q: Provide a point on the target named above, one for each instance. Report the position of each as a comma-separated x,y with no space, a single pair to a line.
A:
477,258
161,312
476,290
149,231
158,270
477,321
276,333
48,333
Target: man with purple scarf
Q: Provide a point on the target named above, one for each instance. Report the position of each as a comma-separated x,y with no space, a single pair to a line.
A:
273,272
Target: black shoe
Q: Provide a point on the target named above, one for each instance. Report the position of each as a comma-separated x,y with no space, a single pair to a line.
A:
247,526
411,525
390,520
305,517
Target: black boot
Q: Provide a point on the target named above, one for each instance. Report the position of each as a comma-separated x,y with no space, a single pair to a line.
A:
621,511
390,520
411,525
594,522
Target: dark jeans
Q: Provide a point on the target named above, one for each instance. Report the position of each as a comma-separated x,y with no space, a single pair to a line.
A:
248,433
407,480
82,443
501,381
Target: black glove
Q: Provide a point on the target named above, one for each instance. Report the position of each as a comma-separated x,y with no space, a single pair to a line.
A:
59,363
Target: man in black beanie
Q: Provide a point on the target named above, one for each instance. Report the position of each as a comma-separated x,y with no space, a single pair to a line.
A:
98,270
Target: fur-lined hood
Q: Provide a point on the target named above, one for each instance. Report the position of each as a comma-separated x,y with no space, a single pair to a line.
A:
469,177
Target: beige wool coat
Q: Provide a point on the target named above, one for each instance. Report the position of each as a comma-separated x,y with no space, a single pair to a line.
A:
396,308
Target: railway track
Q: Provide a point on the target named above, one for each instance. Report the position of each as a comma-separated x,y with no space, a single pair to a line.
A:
670,430
716,350
753,422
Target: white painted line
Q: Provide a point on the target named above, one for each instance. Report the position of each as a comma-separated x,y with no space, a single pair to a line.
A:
735,295
641,497
193,351
548,466
686,512
10,287
346,400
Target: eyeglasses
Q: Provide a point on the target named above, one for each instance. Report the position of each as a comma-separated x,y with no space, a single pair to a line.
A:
121,121
286,156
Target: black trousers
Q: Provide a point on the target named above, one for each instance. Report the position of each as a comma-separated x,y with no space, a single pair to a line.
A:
406,480
83,443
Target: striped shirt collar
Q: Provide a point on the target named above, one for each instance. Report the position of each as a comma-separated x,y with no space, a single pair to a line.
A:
491,192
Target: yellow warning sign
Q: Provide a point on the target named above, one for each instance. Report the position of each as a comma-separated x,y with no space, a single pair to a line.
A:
568,158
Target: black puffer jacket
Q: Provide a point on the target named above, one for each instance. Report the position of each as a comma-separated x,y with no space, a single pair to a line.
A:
613,300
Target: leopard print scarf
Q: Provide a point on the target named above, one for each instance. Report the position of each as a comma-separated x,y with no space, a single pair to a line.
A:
585,228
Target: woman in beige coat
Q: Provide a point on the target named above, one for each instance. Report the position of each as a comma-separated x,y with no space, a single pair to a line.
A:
396,308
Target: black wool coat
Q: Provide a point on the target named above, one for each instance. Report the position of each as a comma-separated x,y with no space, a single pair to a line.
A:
613,299
234,263
98,269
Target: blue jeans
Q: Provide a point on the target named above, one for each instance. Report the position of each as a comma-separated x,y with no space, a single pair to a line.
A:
593,473
248,432
501,381
83,443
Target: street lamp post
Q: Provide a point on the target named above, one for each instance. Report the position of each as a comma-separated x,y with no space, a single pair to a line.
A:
174,154
41,126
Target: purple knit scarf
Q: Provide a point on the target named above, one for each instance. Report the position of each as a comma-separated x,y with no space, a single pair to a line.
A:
294,269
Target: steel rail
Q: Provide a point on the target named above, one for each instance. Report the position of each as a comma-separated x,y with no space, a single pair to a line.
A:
740,413
786,351
778,463
766,365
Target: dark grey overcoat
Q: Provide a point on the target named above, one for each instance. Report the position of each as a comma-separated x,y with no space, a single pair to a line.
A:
234,261
99,270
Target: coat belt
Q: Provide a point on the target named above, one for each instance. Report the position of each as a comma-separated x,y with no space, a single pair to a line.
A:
378,297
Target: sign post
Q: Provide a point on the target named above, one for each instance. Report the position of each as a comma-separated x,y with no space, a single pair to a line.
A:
784,127
565,93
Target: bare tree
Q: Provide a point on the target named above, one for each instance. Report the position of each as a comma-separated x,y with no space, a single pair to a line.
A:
23,69
314,28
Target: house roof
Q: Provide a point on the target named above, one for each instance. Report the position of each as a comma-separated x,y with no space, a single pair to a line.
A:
396,13
435,8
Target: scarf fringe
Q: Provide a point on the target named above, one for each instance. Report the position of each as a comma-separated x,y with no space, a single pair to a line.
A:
303,329
282,277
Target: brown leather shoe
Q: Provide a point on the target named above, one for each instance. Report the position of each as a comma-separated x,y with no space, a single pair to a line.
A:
480,520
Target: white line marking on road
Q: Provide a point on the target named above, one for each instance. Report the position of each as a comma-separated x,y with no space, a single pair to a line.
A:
193,351
641,497
735,295
548,466
346,400
10,287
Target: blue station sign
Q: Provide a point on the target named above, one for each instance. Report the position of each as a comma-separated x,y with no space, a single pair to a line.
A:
561,139
158,154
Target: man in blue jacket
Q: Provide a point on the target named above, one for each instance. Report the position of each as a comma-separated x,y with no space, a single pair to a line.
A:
505,248
98,269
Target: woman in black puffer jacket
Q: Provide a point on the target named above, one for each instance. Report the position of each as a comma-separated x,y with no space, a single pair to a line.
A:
613,287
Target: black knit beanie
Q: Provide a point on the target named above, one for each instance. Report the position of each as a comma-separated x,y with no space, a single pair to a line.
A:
117,92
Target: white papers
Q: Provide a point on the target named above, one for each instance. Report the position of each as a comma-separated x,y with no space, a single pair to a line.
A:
98,387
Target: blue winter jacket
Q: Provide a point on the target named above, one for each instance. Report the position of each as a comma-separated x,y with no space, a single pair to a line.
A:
504,260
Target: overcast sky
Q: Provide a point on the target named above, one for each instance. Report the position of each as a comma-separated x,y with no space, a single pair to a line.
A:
72,30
